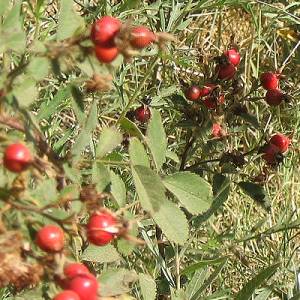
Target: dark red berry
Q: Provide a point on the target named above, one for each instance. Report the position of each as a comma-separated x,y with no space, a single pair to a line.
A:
212,102
269,80
207,89
142,114
225,71
233,56
106,54
17,158
67,295
101,228
141,37
274,97
217,130
85,286
50,238
193,93
271,154
73,269
105,30
281,141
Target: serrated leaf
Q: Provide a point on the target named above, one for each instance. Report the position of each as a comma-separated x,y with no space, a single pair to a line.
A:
130,128
116,282
109,139
38,68
148,287
105,254
72,173
118,189
149,188
46,191
26,92
247,291
172,221
257,193
191,190
156,139
100,176
137,153
68,20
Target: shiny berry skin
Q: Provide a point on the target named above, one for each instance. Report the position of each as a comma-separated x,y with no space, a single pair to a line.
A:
50,238
226,71
106,54
233,56
105,30
101,229
193,93
281,141
217,130
274,97
73,269
17,158
67,295
141,37
271,154
142,114
207,89
85,286
269,81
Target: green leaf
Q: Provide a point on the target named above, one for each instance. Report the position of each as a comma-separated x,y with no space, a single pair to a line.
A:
149,188
137,153
26,92
118,189
251,119
46,191
130,128
257,193
247,291
109,139
72,173
77,103
68,20
116,282
156,139
38,68
100,176
4,6
148,287
191,190
105,254
172,222
264,294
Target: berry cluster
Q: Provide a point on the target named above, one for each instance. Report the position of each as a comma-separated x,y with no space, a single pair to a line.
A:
111,38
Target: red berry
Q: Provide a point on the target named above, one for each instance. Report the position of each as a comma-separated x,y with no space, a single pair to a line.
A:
207,89
226,71
85,286
274,97
233,56
281,141
141,37
101,228
269,80
67,295
212,102
105,30
193,93
73,269
142,114
217,130
106,54
17,158
271,154
50,238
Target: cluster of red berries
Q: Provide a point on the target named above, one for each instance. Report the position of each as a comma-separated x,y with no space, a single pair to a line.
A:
270,82
78,283
106,30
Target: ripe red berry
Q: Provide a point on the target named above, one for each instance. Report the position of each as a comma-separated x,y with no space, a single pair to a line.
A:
141,37
271,154
17,158
193,93
105,30
281,141
50,238
142,114
106,54
274,97
101,228
269,80
233,56
225,71
217,130
207,89
73,269
85,286
67,295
